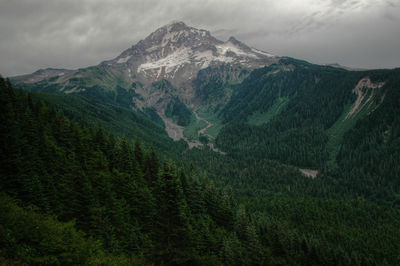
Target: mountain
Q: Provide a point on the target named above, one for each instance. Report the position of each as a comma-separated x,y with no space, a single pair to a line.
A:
173,55
209,92
175,52
198,85
302,165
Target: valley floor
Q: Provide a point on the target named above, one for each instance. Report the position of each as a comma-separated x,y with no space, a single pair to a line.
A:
175,132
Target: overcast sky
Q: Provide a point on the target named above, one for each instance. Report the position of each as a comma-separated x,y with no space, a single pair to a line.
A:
78,33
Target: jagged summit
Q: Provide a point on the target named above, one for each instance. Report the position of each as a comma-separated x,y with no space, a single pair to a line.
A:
176,23
234,40
179,26
177,52
175,35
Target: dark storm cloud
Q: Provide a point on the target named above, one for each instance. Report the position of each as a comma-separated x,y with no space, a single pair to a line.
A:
71,33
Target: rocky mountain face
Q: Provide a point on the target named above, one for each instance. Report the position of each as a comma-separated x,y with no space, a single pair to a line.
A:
175,52
248,104
163,66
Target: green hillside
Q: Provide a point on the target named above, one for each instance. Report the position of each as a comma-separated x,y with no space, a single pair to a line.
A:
76,158
123,122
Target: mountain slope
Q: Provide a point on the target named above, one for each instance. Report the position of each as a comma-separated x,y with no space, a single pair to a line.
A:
121,195
145,212
125,123
340,123
174,53
293,111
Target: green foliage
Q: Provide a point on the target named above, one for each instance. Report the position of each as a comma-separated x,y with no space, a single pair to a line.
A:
116,192
29,237
261,118
124,97
298,100
303,147
191,130
369,155
121,121
163,86
179,112
134,202
303,134
211,115
214,84
204,139
151,113
336,133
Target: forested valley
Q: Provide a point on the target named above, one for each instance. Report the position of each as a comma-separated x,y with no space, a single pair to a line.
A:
79,185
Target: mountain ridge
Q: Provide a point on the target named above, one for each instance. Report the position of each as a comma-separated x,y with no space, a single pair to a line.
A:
175,52
162,53
181,68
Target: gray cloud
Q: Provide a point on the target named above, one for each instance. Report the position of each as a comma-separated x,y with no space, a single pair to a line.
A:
78,33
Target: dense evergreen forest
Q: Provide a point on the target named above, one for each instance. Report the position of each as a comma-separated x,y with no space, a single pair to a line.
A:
77,192
312,128
122,197
178,112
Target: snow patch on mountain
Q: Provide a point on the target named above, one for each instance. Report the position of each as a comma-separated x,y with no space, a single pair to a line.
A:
203,59
177,58
123,59
262,52
230,47
173,37
179,55
152,49
177,51
186,55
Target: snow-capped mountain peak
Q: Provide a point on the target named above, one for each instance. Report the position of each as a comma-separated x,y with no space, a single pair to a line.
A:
177,52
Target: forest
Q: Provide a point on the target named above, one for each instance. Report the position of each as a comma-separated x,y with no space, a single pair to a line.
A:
77,191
